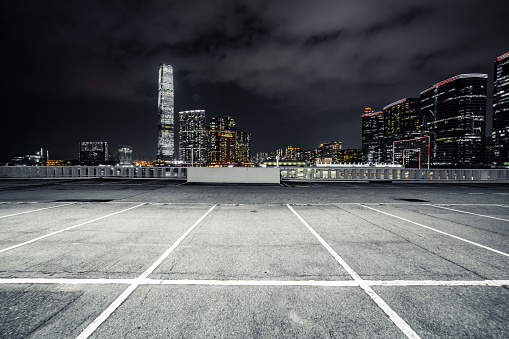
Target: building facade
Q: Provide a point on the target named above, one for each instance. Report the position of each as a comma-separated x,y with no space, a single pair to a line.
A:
165,109
412,123
329,149
372,136
221,147
93,152
193,137
455,115
293,153
412,153
500,133
125,154
243,148
401,121
349,156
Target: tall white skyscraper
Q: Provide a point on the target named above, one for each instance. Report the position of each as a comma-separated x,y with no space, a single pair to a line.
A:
165,145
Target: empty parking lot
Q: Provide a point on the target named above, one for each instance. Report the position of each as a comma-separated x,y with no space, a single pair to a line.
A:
156,258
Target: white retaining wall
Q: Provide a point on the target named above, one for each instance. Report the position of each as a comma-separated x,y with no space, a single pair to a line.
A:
240,175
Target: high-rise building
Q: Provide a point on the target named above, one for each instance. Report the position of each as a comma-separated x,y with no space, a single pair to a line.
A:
165,144
93,152
193,137
293,153
349,156
125,154
402,120
222,140
500,132
243,147
412,122
329,149
455,112
372,135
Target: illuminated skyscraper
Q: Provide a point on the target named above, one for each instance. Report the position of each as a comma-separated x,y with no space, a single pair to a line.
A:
93,152
401,121
455,111
222,141
500,132
292,153
243,148
125,154
193,137
372,135
329,149
165,144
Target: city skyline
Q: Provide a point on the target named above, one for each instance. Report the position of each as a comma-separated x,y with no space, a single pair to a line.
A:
290,76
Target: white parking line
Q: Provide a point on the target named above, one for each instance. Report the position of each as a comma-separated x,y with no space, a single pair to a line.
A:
113,306
39,209
479,215
438,231
320,283
66,229
396,319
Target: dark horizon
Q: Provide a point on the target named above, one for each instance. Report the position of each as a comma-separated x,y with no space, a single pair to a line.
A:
298,75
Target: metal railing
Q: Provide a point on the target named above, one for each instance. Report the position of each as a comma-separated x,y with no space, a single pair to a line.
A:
287,173
384,174
92,172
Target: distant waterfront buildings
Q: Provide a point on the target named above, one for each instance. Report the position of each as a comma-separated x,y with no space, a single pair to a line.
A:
165,107
349,156
125,155
93,152
329,149
500,134
292,153
39,158
455,111
193,137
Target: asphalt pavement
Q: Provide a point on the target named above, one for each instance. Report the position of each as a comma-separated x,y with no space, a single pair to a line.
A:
142,258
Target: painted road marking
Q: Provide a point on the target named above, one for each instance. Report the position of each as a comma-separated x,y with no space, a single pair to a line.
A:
441,232
396,319
320,283
40,209
121,298
479,215
66,229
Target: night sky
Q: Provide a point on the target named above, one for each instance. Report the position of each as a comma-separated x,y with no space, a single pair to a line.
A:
290,72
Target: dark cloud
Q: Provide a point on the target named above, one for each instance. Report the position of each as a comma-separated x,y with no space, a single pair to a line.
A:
296,72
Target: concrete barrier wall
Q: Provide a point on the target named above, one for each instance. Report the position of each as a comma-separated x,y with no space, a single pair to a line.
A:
242,175
257,174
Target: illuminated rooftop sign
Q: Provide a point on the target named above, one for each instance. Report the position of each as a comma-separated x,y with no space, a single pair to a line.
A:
395,103
193,111
459,76
503,56
371,114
